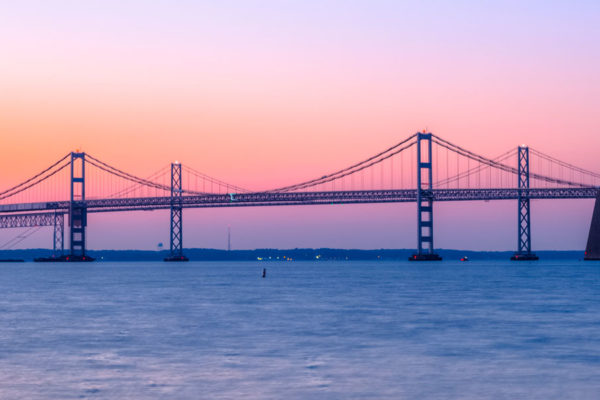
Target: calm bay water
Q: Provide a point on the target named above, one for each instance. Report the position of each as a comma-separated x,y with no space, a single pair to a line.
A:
322,330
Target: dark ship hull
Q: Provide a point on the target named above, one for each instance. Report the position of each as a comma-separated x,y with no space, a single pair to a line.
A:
176,259
524,257
425,257
65,259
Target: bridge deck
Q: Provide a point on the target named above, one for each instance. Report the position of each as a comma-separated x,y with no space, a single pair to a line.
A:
304,198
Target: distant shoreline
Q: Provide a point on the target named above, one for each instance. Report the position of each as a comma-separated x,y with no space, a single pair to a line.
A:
323,254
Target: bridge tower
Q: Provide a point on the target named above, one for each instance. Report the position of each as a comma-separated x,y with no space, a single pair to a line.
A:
176,231
77,209
524,218
425,250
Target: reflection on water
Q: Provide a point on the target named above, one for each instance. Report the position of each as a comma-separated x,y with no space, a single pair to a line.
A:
323,330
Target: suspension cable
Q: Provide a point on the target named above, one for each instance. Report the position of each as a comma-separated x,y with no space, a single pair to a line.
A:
473,170
214,180
19,238
115,171
504,167
35,176
37,182
134,187
563,164
349,170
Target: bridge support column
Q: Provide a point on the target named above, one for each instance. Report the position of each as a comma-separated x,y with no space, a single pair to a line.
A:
77,210
176,231
425,250
524,216
59,234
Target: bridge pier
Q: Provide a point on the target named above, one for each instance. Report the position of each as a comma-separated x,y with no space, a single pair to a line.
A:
59,234
176,231
523,252
425,250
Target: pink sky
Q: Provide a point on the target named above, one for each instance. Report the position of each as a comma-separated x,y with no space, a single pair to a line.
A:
265,94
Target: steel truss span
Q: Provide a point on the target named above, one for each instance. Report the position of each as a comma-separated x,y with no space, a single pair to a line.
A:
29,220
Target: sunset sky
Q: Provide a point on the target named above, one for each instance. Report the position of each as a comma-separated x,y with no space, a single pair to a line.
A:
268,93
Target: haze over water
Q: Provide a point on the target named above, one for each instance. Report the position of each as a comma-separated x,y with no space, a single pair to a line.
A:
309,330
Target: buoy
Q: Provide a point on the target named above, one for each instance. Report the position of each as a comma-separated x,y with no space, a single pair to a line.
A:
264,272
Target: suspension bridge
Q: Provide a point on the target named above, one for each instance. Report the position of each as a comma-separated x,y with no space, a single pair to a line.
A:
423,168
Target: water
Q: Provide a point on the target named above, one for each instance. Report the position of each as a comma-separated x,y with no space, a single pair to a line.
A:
322,330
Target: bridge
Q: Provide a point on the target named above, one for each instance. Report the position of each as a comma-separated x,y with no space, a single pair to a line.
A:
423,168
